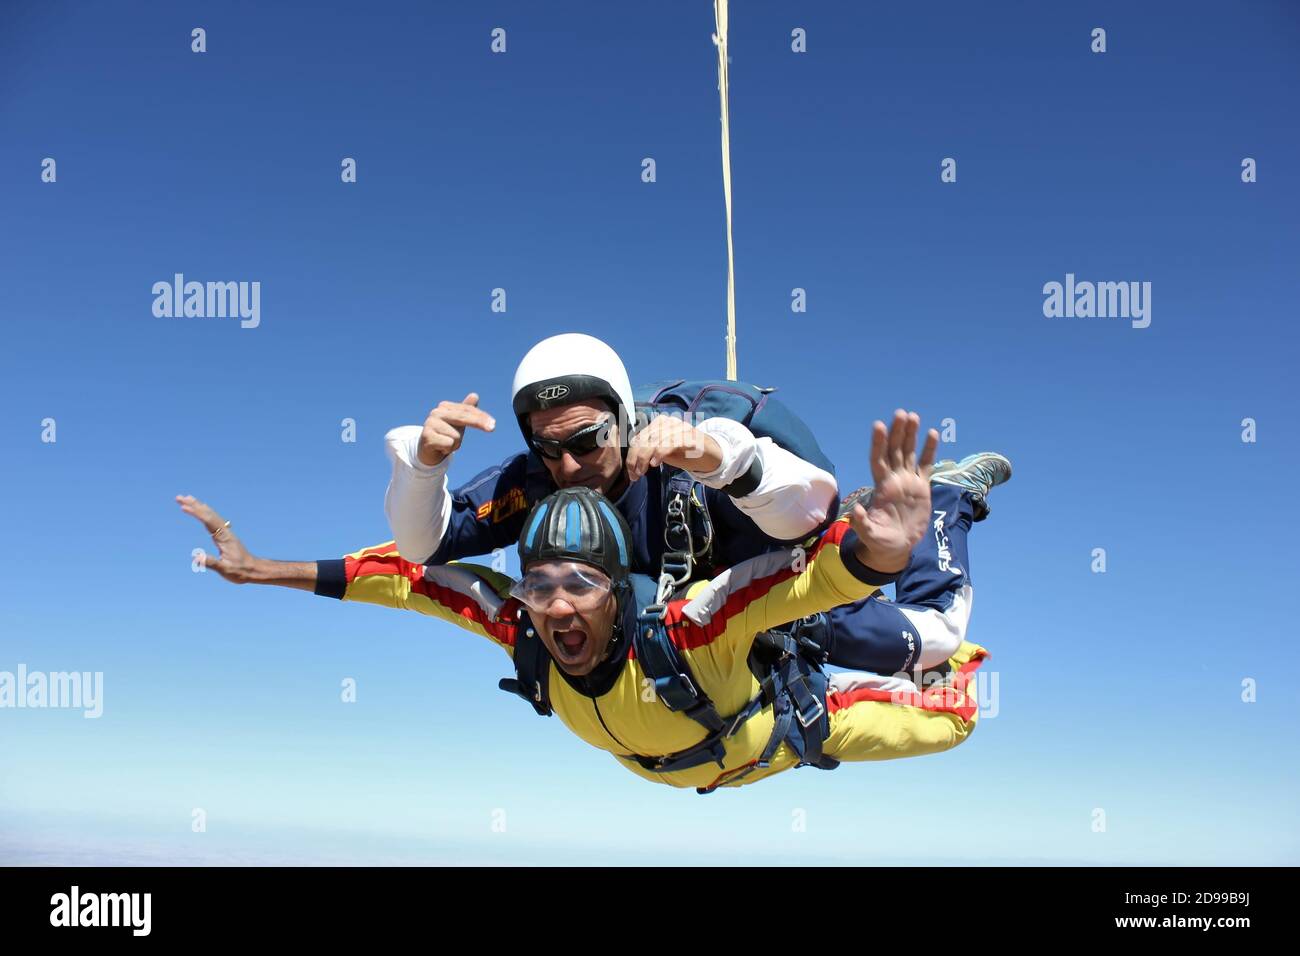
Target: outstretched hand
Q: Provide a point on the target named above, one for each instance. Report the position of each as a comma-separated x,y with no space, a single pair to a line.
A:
234,563
899,509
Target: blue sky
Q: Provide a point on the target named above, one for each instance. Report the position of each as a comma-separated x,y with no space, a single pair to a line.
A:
1120,691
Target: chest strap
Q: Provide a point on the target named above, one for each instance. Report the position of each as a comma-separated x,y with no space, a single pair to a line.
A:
532,671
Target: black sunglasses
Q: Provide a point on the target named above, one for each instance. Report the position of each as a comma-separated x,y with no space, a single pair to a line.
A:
580,443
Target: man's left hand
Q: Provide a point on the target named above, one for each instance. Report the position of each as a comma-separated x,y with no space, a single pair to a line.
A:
668,440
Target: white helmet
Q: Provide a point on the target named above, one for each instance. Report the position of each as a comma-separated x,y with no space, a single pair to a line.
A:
569,368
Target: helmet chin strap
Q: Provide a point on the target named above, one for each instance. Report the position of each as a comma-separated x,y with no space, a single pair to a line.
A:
616,629
619,486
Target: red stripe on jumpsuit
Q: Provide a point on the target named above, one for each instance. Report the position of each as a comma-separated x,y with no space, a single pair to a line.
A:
940,699
687,635
374,561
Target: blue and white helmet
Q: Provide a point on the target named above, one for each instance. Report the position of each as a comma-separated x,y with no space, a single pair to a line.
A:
578,524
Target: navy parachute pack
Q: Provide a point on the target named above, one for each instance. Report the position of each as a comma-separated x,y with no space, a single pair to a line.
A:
751,405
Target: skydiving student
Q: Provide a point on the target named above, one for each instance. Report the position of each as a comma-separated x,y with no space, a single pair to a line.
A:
574,404
718,712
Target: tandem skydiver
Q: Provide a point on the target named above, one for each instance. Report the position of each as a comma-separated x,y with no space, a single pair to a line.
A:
715,717
575,407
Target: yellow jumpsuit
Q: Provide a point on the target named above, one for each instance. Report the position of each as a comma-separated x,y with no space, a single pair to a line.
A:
713,627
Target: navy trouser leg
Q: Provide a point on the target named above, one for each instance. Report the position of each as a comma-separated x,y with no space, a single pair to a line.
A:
932,598
940,564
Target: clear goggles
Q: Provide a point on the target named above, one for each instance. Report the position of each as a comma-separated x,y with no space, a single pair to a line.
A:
581,585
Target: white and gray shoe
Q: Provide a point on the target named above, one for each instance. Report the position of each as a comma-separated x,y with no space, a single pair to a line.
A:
977,474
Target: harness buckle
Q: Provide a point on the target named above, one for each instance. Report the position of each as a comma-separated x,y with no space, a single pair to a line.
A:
807,722
741,716
654,613
690,689
677,526
674,570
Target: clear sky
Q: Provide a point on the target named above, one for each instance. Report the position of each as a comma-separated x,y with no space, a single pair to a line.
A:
1119,691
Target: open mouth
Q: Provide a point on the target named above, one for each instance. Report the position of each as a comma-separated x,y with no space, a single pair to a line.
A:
571,644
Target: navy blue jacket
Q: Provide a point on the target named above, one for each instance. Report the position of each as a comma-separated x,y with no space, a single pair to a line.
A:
488,512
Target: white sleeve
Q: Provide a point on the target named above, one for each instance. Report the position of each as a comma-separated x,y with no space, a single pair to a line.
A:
738,450
793,497
417,503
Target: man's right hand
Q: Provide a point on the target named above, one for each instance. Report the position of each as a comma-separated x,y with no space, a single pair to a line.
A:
899,512
235,564
444,429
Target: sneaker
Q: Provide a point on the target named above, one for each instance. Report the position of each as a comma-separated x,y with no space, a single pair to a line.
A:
978,474
860,497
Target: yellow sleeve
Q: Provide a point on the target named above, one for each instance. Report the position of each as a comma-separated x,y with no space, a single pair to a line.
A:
824,582
774,589
467,595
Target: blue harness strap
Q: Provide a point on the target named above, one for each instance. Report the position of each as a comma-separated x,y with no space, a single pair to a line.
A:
532,671
673,685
